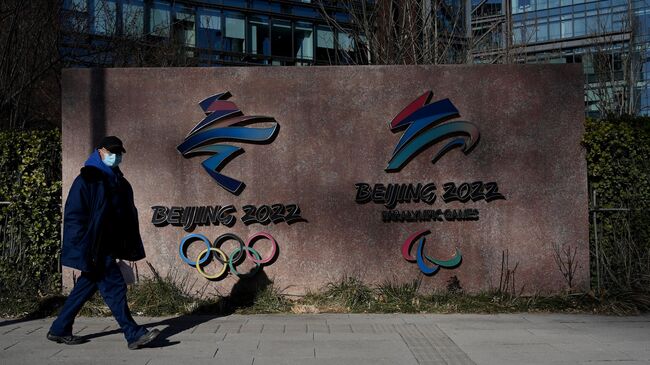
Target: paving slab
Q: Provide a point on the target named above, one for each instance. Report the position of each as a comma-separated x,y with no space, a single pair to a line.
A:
319,339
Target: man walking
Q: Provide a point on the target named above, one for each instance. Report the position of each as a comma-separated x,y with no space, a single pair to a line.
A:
100,224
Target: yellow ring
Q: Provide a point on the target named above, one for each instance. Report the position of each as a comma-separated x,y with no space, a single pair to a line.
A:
223,269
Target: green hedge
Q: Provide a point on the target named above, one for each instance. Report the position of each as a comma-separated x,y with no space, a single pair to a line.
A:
30,227
618,160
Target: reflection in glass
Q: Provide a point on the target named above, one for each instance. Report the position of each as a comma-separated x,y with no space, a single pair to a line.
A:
345,42
183,26
235,33
209,35
258,28
281,38
304,40
567,29
104,16
324,44
579,27
133,18
554,30
517,35
542,32
345,46
592,25
159,21
519,6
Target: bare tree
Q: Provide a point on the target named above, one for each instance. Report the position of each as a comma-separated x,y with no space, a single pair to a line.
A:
105,37
616,61
29,63
403,31
565,259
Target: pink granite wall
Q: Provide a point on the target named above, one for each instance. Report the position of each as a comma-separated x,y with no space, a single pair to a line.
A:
334,133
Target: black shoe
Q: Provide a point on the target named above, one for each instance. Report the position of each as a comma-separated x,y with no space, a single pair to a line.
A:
144,339
68,340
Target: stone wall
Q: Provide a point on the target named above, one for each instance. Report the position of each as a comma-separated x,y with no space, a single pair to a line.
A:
334,133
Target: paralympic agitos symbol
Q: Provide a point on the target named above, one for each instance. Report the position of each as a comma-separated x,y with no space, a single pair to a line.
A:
227,123
422,258
425,122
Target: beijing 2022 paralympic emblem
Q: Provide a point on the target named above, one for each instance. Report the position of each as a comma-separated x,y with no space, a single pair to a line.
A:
427,123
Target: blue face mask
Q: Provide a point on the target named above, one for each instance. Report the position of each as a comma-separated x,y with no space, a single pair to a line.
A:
112,159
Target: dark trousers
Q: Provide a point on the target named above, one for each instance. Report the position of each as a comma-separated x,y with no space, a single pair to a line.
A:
108,279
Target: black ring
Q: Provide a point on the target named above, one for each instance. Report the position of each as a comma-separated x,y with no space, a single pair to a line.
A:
229,236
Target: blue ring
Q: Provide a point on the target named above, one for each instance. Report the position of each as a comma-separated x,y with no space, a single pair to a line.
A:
421,264
182,246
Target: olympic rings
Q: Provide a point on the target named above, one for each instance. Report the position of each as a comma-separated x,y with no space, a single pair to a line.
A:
213,250
252,239
231,262
223,269
229,236
182,248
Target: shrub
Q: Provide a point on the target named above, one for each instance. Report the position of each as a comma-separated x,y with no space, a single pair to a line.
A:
618,165
30,227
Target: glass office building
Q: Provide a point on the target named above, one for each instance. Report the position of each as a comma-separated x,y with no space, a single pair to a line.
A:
217,32
609,38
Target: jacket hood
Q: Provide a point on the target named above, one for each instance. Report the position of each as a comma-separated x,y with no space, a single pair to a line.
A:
95,161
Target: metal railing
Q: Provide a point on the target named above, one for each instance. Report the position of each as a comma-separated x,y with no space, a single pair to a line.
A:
594,210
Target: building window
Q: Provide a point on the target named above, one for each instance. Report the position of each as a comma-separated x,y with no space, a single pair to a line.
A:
605,22
567,29
520,6
305,12
76,5
541,4
281,38
76,20
619,21
104,16
324,44
345,42
133,18
209,32
235,33
159,19
554,30
579,27
345,46
592,25
183,26
304,40
542,32
259,33
517,38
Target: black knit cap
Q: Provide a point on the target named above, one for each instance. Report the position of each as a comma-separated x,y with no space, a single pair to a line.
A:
112,144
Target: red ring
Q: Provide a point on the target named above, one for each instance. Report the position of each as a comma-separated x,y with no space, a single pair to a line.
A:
273,250
406,246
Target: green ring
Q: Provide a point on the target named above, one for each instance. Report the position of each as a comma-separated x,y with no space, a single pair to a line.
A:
232,266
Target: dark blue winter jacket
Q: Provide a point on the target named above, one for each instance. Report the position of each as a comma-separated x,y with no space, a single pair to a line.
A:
100,218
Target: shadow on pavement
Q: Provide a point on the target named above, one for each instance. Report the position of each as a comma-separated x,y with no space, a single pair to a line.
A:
46,307
242,295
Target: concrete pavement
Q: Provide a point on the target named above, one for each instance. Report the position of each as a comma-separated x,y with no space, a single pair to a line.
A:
355,339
